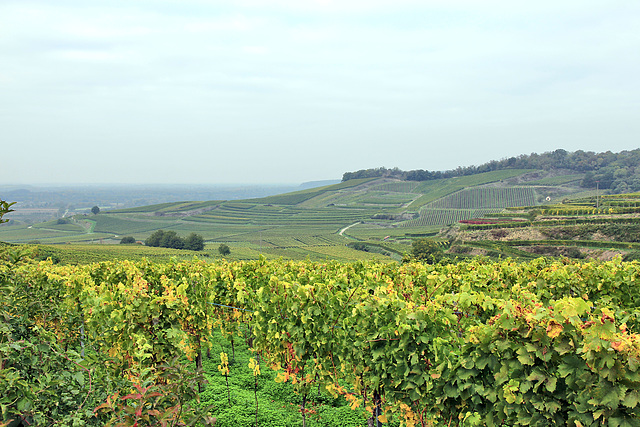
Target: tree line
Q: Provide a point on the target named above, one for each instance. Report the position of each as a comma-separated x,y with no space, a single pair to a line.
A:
170,239
618,172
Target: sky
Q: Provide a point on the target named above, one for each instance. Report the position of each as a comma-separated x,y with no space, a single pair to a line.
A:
289,91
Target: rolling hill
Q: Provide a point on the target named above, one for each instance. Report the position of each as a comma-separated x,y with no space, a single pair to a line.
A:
384,213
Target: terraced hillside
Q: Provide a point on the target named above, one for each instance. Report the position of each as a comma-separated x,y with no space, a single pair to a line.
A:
486,197
471,203
317,223
598,226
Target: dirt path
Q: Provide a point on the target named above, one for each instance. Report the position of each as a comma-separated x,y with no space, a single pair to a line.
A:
346,228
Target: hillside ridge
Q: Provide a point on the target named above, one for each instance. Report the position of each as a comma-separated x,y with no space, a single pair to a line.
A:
360,218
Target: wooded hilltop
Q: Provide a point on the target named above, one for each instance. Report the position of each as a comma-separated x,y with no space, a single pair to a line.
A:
617,172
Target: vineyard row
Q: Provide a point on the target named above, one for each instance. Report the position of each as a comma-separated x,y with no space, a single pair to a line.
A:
475,343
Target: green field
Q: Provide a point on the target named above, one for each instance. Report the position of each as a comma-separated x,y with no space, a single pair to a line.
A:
317,223
60,225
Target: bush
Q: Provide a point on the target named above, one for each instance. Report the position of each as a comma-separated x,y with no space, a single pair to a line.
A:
224,249
575,253
631,256
427,250
127,240
359,246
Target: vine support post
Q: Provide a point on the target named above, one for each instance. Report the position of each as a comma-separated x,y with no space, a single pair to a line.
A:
208,340
233,351
199,362
304,410
82,333
377,409
82,340
226,377
255,396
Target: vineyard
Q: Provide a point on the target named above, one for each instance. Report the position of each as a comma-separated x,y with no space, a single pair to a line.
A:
471,203
60,226
399,187
125,226
301,196
473,343
433,190
320,223
486,197
429,216
557,180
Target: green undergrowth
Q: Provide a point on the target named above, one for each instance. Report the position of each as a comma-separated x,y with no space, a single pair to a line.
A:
278,404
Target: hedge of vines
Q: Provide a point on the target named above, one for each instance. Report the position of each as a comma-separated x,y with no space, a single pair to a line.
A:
475,343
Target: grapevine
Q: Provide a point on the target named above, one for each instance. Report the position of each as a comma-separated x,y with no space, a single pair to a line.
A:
502,343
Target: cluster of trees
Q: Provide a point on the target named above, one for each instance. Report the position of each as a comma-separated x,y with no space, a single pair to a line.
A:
381,172
426,250
170,239
617,172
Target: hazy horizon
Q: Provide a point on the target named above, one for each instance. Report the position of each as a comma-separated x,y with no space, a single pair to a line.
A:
247,91
152,184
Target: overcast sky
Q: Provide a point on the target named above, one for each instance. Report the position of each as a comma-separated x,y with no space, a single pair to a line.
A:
287,91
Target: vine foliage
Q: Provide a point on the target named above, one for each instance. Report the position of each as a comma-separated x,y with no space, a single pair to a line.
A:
474,343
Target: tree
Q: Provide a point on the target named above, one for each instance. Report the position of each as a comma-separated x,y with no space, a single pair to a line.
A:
170,239
95,210
154,239
194,242
5,208
127,240
224,249
427,250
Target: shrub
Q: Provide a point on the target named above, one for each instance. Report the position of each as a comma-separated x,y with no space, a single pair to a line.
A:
427,250
631,256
